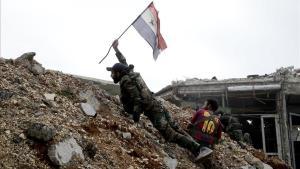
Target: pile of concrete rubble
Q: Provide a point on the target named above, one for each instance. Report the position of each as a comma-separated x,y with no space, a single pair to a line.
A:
49,119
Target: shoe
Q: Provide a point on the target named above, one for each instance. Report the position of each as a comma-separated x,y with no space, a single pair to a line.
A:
203,152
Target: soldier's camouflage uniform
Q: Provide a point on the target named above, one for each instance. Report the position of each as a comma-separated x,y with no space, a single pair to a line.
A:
134,104
232,126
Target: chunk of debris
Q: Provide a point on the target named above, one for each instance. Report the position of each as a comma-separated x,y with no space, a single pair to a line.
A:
2,60
27,61
37,69
254,161
90,98
40,132
26,56
49,96
88,109
126,135
248,167
170,162
4,95
63,152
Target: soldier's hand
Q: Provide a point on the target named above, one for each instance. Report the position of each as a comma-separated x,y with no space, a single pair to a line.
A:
115,44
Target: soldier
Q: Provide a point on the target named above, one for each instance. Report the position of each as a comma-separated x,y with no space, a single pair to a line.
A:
137,98
205,127
232,126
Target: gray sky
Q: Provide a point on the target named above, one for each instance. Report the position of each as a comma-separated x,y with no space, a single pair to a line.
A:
222,38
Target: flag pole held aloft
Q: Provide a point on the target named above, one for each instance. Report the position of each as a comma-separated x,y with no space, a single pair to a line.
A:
123,34
148,26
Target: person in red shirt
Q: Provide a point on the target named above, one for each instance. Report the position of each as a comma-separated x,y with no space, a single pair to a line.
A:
205,127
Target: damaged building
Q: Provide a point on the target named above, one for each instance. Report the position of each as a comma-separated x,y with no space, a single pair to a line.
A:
268,107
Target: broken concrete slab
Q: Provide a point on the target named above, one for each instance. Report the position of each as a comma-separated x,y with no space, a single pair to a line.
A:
254,162
49,96
39,113
90,98
170,162
88,109
27,61
267,166
247,167
2,60
63,152
126,135
26,56
37,69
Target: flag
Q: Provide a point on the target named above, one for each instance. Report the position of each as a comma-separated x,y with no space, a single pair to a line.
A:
148,26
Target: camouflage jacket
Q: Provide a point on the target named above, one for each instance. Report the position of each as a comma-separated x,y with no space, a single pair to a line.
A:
121,58
133,95
134,103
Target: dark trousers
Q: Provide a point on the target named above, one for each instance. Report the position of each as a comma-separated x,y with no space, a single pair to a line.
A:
163,126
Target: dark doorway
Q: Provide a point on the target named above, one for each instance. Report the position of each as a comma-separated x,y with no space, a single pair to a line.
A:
270,135
252,125
297,154
296,142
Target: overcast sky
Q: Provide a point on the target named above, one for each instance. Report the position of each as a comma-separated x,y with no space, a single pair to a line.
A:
205,38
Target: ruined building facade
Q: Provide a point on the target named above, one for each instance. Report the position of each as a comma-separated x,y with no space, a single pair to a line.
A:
268,107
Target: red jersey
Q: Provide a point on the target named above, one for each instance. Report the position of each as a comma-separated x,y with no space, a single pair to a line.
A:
206,127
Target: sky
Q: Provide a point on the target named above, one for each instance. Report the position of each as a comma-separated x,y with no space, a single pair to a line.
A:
222,38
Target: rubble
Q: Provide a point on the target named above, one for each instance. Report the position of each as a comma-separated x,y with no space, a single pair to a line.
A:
126,135
63,152
5,95
170,162
88,109
90,98
41,131
49,96
2,60
37,69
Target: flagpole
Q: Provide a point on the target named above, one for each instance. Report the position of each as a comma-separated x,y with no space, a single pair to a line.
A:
124,32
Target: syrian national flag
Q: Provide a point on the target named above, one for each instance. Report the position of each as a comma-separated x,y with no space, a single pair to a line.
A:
148,25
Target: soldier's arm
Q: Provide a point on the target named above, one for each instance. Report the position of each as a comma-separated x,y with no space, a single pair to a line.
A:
134,95
119,55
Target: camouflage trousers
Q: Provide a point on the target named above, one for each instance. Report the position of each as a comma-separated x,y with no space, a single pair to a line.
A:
161,121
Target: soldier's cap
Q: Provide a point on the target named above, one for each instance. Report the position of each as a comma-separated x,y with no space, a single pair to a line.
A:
118,67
